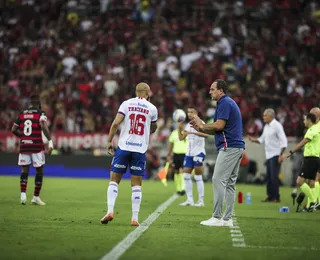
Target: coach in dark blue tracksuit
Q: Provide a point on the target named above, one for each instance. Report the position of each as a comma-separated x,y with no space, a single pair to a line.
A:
227,129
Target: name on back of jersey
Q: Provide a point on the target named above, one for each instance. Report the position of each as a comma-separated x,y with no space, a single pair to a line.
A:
139,109
28,116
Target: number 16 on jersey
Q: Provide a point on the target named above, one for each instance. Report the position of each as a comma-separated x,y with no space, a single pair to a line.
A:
137,124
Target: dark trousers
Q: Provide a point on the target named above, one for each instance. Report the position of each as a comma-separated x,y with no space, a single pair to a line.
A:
272,178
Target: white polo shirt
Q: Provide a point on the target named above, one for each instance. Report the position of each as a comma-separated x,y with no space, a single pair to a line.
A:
273,138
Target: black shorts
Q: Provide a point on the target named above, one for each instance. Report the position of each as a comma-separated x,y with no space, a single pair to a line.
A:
319,166
309,168
177,161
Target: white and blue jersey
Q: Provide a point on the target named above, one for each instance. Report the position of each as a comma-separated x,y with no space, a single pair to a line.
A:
196,152
134,135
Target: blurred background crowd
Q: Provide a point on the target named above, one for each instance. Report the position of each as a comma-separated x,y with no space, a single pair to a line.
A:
85,57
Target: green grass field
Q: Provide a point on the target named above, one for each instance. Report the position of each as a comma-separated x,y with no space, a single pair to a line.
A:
68,226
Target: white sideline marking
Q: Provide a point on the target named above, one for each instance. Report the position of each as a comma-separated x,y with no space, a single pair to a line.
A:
125,244
284,247
238,241
236,234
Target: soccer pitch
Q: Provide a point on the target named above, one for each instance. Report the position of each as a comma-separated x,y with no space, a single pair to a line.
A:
68,227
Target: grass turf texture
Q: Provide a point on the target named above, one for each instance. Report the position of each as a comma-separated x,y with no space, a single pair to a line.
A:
68,227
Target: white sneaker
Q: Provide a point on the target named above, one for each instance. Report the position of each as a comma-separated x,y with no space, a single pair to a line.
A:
212,222
187,203
23,198
199,204
37,201
228,223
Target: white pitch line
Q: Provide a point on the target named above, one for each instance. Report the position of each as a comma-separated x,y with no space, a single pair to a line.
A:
284,247
236,234
125,244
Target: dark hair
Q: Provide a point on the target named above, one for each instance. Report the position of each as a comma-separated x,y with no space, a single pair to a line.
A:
34,99
221,84
192,107
312,118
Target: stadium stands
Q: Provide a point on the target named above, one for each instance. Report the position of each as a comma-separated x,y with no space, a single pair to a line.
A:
85,58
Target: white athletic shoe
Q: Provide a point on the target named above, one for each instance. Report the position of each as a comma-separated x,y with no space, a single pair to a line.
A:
187,203
37,201
199,204
212,222
228,223
23,198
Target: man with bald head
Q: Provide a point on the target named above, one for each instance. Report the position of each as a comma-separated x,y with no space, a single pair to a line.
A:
316,112
275,143
138,119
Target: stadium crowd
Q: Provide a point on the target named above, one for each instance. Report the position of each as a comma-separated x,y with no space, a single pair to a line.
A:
85,57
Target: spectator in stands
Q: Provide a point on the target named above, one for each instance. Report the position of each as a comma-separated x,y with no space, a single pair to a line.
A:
67,49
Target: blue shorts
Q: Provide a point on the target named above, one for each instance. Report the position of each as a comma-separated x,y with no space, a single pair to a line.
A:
194,161
122,159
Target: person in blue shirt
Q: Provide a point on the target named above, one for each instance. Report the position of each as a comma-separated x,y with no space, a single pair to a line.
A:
227,129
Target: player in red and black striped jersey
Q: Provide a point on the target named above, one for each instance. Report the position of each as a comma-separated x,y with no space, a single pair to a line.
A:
29,127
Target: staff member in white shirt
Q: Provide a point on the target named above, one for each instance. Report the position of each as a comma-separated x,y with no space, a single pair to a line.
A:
275,143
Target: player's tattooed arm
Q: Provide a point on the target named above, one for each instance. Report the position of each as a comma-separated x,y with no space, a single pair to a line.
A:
153,127
15,130
45,130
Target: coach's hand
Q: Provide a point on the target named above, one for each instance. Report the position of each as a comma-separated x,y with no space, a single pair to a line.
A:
285,156
110,148
281,158
196,122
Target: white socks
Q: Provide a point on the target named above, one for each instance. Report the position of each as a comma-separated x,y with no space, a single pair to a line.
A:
188,182
112,194
23,196
136,197
136,201
200,186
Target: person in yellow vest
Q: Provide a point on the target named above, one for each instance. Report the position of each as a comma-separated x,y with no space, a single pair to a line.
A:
177,151
316,112
311,154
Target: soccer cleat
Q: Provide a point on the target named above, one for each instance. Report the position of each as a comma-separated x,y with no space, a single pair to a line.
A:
304,209
23,198
311,207
316,206
228,223
187,203
108,217
135,223
199,204
213,222
37,201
